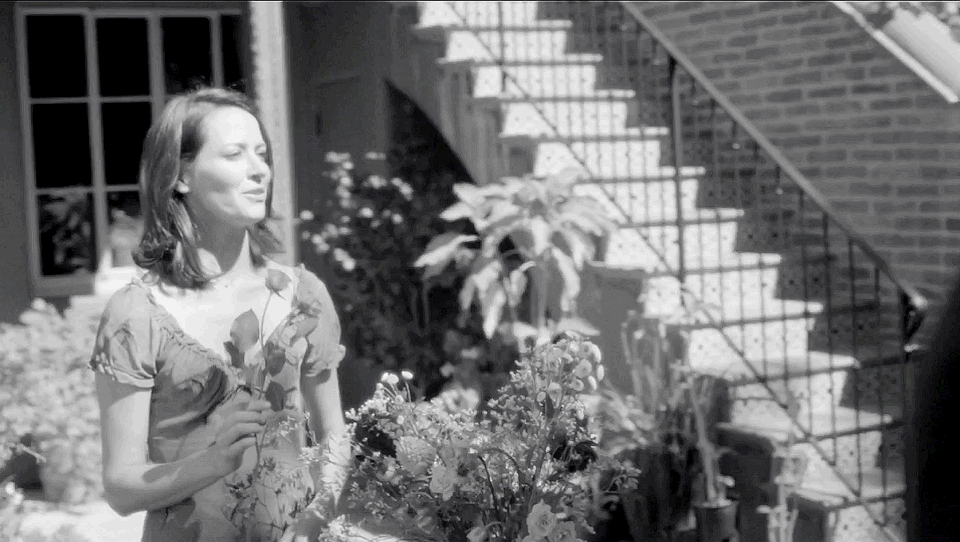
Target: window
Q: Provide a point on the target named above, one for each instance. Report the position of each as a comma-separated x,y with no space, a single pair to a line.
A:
91,81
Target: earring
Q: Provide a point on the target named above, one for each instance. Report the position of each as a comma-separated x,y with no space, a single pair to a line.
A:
182,187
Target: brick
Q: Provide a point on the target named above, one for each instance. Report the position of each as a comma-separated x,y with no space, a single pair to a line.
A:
705,16
832,155
803,77
803,109
761,22
863,56
953,224
886,70
891,207
715,72
749,8
782,96
897,173
891,138
920,223
888,104
800,141
728,87
845,74
761,53
938,138
799,17
746,70
821,29
742,41
940,173
857,206
784,64
868,188
918,154
870,122
870,88
821,124
764,7
912,86
843,42
894,240
942,206
727,57
827,92
803,47
846,139
873,155
931,100
782,128
922,258
764,82
684,6
846,170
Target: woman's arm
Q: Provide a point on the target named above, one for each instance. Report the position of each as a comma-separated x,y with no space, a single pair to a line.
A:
131,482
321,395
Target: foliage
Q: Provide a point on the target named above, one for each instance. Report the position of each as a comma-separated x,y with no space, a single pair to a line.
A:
554,233
47,395
788,468
256,373
371,217
525,468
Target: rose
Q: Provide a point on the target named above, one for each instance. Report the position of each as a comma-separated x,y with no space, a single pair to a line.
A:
541,521
443,482
563,532
277,281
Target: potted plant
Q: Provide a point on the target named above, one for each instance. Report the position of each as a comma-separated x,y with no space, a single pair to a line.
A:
715,511
787,471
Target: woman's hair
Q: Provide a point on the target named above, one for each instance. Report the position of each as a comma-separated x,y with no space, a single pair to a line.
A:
169,244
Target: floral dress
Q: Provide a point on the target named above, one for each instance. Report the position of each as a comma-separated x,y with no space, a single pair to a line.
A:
140,343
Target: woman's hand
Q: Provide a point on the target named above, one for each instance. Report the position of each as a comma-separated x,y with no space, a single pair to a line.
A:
308,528
239,431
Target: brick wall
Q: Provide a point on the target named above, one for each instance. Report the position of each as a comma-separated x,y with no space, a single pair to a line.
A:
870,134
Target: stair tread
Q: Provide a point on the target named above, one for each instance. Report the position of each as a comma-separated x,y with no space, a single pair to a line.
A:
587,96
821,424
569,59
529,26
826,490
773,311
615,134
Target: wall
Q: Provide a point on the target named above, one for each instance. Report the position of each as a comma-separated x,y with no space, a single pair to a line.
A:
14,282
873,137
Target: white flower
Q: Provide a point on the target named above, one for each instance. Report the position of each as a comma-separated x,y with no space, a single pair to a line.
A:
477,534
541,521
306,214
415,455
407,375
389,378
600,372
443,482
591,352
350,264
396,219
366,212
563,532
583,369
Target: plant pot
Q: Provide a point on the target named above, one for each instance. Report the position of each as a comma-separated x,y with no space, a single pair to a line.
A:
717,522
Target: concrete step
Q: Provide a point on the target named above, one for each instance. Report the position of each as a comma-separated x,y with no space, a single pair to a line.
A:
527,42
586,113
828,511
491,14
656,200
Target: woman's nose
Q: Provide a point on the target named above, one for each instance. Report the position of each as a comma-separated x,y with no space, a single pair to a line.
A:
259,168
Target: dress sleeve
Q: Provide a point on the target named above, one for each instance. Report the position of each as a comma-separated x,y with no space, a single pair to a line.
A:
324,350
123,347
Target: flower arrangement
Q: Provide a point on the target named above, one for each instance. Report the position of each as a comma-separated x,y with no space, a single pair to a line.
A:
523,468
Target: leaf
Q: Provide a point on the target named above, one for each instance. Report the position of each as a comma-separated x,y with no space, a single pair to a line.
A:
305,327
484,272
236,356
277,281
539,234
245,331
277,396
519,330
274,357
440,252
571,279
578,325
579,246
492,308
518,284
562,181
457,211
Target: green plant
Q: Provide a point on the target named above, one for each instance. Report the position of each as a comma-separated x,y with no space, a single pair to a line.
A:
788,470
47,395
519,471
553,234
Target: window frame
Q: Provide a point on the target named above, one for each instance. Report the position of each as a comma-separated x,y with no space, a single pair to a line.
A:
107,278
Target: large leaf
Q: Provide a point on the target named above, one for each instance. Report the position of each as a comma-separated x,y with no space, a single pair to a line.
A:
484,273
245,331
587,215
540,232
496,231
440,252
492,308
457,211
560,183
518,283
274,357
277,396
580,247
571,279
578,325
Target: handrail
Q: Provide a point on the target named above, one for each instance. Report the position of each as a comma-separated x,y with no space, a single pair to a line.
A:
918,302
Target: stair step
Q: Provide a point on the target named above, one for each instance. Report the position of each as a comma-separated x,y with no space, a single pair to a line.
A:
840,421
757,313
568,60
481,13
777,367
826,491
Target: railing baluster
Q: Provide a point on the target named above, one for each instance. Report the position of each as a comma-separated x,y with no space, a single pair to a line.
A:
676,137
828,298
855,354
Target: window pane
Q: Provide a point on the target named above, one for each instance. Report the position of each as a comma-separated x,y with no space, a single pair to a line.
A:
231,43
66,234
124,127
61,145
187,59
126,226
56,56
123,55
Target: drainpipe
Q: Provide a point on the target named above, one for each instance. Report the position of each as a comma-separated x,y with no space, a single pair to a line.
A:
918,39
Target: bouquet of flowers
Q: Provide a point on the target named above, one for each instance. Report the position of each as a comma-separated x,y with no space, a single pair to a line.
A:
524,467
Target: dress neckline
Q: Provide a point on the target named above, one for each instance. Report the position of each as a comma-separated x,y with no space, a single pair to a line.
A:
196,344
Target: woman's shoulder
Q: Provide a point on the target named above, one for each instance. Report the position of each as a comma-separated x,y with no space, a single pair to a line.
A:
310,292
130,302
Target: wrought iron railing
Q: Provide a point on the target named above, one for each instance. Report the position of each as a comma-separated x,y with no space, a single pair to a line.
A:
863,314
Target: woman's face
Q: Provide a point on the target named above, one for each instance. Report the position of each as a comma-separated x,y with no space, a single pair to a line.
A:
228,180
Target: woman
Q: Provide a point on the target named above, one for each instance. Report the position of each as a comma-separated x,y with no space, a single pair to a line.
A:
175,431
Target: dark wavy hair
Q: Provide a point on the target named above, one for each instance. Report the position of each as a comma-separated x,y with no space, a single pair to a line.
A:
169,243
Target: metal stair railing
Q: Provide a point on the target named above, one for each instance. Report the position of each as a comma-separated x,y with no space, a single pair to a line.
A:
708,130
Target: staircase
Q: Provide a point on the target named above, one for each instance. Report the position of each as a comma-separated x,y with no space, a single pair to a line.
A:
707,206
